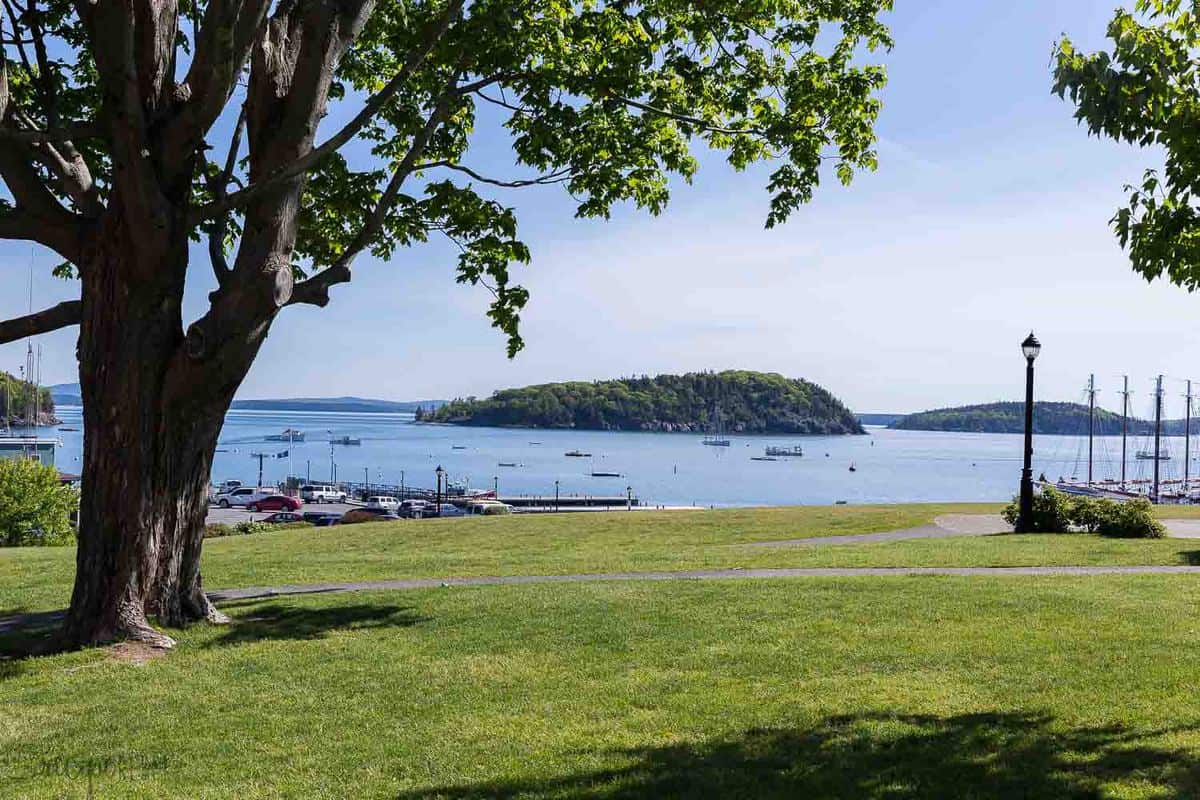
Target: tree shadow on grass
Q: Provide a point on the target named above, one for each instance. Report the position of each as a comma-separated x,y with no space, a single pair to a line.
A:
24,635
1190,557
281,621
879,757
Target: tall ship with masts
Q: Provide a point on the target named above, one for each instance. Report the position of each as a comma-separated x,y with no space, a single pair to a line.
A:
1155,486
716,436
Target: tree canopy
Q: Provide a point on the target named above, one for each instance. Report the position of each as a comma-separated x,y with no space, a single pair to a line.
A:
1146,91
606,99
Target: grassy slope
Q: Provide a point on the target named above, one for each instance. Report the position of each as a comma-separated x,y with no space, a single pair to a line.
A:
36,579
898,688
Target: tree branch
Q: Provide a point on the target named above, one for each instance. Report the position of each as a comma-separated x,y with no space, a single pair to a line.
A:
315,290
690,120
557,176
63,233
223,46
63,315
77,131
219,187
370,109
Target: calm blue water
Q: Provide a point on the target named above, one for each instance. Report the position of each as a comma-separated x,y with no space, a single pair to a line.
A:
662,468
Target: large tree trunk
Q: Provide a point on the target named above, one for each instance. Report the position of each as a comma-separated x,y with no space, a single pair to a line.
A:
152,416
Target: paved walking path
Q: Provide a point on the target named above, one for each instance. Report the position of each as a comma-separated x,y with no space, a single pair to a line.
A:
48,618
941,528
255,592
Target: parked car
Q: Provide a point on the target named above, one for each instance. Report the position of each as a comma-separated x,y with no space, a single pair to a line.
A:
488,508
366,515
322,519
321,493
415,509
383,503
241,496
450,510
285,516
273,502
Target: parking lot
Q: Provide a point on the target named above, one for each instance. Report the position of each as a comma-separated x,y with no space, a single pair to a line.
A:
232,516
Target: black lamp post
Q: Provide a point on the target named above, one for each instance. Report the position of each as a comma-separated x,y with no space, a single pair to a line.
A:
439,472
556,495
1030,348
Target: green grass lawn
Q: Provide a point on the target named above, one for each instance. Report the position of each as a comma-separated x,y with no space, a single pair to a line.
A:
898,688
34,579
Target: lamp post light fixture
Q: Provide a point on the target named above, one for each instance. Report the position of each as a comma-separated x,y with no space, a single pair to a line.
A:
1030,348
439,472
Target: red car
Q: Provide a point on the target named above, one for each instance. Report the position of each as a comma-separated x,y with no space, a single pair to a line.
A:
274,502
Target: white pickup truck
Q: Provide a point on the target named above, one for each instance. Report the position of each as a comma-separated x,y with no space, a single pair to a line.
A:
321,493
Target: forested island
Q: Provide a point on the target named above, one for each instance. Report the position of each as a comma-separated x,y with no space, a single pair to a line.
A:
1048,418
15,397
749,402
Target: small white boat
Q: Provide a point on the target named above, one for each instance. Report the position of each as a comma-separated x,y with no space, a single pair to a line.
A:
1148,455
289,435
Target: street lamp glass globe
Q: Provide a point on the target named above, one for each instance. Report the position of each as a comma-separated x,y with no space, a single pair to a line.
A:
1031,346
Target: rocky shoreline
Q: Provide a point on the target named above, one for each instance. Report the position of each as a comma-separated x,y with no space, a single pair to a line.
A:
45,419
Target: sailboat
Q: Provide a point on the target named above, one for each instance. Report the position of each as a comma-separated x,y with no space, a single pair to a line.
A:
1126,487
716,437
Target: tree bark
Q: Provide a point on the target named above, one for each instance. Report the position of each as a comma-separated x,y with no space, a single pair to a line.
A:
152,416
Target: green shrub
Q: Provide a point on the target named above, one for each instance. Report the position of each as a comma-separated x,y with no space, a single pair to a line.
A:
1090,513
251,528
1133,519
1051,512
35,509
1056,512
215,530
290,526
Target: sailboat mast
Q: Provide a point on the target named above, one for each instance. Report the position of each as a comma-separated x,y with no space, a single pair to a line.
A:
1124,425
1091,422
1157,434
1187,438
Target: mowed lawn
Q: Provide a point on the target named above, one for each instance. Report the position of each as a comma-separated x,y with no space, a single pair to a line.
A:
36,579
898,688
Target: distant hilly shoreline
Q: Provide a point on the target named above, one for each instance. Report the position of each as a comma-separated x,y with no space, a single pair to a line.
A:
1063,419
68,394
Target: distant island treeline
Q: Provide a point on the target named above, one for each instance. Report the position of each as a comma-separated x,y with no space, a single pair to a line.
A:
1048,418
15,397
749,402
68,394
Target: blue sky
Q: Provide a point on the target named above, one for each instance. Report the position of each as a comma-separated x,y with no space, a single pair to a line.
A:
911,289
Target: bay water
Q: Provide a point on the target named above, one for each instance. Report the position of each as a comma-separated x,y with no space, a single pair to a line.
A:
891,466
